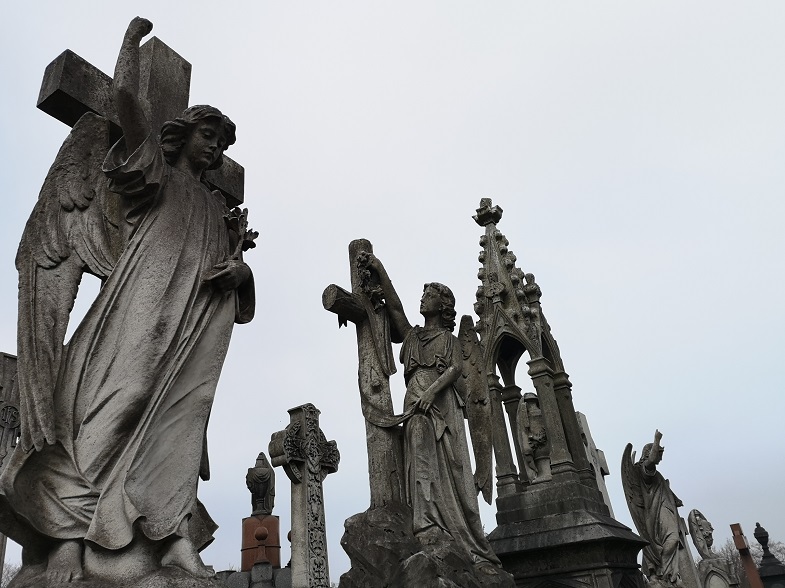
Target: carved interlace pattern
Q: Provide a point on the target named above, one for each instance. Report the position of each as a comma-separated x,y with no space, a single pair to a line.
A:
9,430
311,457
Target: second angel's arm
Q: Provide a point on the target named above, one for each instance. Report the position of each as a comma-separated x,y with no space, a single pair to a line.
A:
446,379
651,461
400,323
125,86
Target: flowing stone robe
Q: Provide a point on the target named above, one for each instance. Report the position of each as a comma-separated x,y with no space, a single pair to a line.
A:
138,377
661,523
439,480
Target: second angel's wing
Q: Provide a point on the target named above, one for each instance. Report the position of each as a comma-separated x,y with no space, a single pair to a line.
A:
72,230
633,491
474,384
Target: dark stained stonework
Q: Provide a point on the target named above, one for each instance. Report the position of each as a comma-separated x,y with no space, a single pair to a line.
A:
554,527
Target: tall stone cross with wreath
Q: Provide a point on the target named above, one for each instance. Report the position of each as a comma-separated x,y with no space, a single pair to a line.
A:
365,307
307,457
72,86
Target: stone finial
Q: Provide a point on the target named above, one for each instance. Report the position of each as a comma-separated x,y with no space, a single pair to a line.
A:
770,567
488,214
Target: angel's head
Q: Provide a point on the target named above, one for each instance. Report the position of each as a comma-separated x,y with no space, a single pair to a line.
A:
201,129
438,298
647,452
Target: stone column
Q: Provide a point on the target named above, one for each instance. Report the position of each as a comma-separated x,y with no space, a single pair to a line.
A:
572,430
506,473
542,377
307,457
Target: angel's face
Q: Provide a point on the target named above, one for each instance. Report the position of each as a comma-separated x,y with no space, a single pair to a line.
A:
205,144
430,303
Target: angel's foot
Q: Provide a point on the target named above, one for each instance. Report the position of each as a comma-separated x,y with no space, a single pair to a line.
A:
487,568
65,563
433,535
183,554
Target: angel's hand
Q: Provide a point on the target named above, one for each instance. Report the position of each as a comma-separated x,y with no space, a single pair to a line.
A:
426,400
229,275
138,28
369,261
657,436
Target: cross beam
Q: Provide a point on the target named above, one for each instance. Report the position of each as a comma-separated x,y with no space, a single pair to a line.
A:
72,86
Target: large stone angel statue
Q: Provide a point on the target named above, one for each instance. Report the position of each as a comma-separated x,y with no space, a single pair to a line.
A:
113,422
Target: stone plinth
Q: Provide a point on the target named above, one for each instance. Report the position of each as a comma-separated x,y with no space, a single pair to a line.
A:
579,546
261,542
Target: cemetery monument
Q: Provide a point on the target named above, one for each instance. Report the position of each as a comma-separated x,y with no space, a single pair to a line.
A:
422,527
667,561
714,571
102,491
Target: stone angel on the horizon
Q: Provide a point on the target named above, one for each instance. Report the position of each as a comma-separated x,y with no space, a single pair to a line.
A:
654,510
114,421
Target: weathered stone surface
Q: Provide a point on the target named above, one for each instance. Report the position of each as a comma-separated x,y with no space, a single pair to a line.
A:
553,527
596,459
702,533
667,560
307,458
714,571
261,541
771,569
377,541
113,425
364,307
72,87
443,375
167,577
235,579
262,575
385,554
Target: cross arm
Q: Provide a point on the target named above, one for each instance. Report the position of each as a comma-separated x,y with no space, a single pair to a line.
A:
72,87
345,304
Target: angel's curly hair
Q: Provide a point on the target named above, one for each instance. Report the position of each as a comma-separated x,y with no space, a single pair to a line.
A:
447,300
174,133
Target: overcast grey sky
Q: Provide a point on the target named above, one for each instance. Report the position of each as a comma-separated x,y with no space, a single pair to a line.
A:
637,149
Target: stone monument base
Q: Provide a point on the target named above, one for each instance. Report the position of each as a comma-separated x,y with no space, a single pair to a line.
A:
34,576
572,549
385,554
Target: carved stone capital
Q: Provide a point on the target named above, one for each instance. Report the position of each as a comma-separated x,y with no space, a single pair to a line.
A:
302,446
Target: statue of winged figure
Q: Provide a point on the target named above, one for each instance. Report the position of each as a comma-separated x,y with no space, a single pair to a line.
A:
441,374
113,422
653,507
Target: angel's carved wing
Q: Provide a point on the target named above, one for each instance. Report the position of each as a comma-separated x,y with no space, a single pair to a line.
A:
474,386
72,230
633,491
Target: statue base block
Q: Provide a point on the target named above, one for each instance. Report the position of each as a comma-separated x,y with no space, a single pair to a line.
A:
34,576
385,554
571,549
